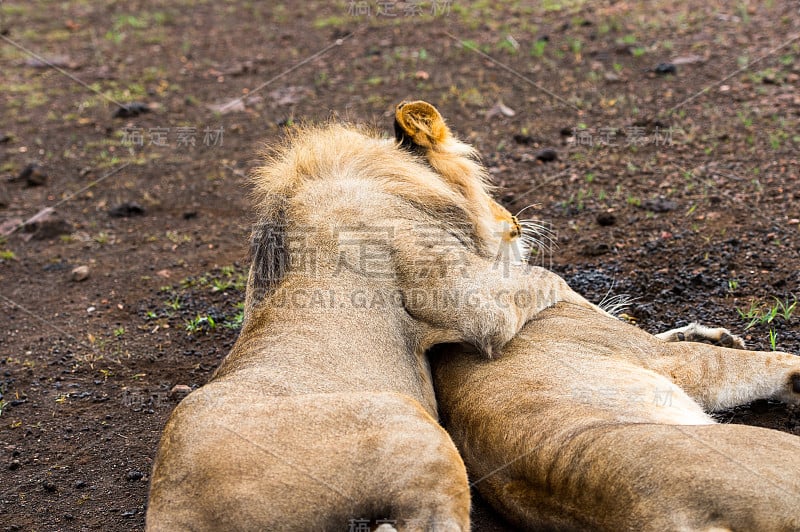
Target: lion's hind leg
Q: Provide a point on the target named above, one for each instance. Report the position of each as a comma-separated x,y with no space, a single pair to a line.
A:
309,462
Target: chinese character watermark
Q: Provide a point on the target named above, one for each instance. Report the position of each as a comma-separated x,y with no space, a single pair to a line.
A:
179,137
397,9
634,136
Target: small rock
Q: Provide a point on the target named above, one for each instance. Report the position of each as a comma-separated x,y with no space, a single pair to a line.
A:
135,475
769,80
500,109
595,249
546,155
79,484
130,513
14,465
126,210
606,219
81,273
189,215
179,391
662,69
62,61
49,487
659,205
611,77
525,140
131,109
46,224
33,175
55,266
687,60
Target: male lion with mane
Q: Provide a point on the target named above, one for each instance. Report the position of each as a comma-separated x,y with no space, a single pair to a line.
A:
323,414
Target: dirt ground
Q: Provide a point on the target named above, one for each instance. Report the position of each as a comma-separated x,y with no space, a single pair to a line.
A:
659,139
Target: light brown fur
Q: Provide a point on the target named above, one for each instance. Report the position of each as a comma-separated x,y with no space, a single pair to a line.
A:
367,253
589,423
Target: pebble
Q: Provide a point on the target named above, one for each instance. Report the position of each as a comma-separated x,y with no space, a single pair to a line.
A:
179,391
662,69
500,109
81,273
525,140
14,465
595,249
132,109
135,475
606,219
659,205
546,155
33,175
46,225
49,487
126,210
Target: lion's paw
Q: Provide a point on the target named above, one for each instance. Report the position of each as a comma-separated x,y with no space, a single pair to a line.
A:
694,332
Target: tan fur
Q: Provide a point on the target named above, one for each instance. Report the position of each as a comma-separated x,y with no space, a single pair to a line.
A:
589,423
367,253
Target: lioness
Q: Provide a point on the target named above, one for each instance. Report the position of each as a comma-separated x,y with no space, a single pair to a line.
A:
368,252
590,423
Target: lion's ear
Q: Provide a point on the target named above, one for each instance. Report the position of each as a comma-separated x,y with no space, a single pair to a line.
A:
418,124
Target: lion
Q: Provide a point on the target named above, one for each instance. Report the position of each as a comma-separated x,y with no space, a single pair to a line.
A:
590,423
367,253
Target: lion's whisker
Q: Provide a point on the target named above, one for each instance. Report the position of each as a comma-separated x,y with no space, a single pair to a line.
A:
614,305
524,209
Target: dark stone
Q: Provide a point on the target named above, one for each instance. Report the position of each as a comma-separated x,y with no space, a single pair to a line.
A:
662,69
46,225
33,175
131,109
126,210
606,219
49,487
190,215
546,155
135,475
659,205
595,250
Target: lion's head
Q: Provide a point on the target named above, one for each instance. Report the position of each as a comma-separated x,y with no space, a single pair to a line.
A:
426,167
420,129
